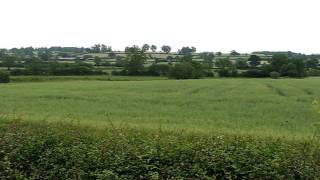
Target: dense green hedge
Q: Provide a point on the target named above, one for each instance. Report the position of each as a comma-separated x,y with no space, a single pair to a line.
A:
4,77
62,151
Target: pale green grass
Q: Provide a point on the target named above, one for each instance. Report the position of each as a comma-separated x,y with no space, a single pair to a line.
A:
248,106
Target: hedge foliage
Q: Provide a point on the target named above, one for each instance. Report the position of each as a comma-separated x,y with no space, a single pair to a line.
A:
68,151
4,77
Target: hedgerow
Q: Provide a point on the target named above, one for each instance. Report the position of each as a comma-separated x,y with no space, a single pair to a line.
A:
66,150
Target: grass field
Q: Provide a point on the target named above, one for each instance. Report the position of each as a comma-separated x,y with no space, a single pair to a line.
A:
262,107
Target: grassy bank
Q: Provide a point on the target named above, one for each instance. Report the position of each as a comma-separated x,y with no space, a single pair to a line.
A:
65,150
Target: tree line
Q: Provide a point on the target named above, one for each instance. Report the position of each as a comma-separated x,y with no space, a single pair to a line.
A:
36,61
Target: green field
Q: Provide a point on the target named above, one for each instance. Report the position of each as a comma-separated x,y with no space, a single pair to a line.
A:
262,107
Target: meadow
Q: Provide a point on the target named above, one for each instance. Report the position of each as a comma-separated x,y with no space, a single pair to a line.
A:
262,107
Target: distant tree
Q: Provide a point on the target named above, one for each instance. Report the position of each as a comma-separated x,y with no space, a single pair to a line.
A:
186,50
219,53
234,53
45,55
112,55
158,69
278,60
208,58
186,70
254,60
97,61
193,49
135,60
8,61
105,48
96,48
146,47
170,59
241,64
119,61
4,77
166,49
223,63
153,48
312,63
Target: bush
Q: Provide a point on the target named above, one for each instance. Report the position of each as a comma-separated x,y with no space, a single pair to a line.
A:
313,72
274,75
158,70
255,73
228,72
4,77
224,72
186,70
67,151
208,73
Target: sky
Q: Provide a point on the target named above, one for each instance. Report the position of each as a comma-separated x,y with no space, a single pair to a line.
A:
209,25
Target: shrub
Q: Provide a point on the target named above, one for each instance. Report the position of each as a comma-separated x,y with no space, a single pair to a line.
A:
228,72
224,72
208,73
255,73
4,77
68,151
181,71
274,75
186,70
158,70
313,72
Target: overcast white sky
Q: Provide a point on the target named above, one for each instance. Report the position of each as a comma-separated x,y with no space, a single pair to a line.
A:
209,25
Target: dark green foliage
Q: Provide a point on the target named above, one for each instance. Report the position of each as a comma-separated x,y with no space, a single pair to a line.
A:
226,68
4,77
312,63
66,151
241,64
254,60
153,48
187,50
294,68
274,75
255,73
278,61
207,58
158,70
234,53
8,61
313,72
186,70
166,49
37,67
134,61
145,47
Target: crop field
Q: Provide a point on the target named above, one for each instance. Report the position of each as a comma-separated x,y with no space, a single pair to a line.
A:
150,128
264,107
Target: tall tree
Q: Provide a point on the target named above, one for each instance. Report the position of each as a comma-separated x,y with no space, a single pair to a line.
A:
97,61
278,60
312,63
254,60
153,48
208,58
146,47
234,53
166,49
187,50
135,60
8,61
